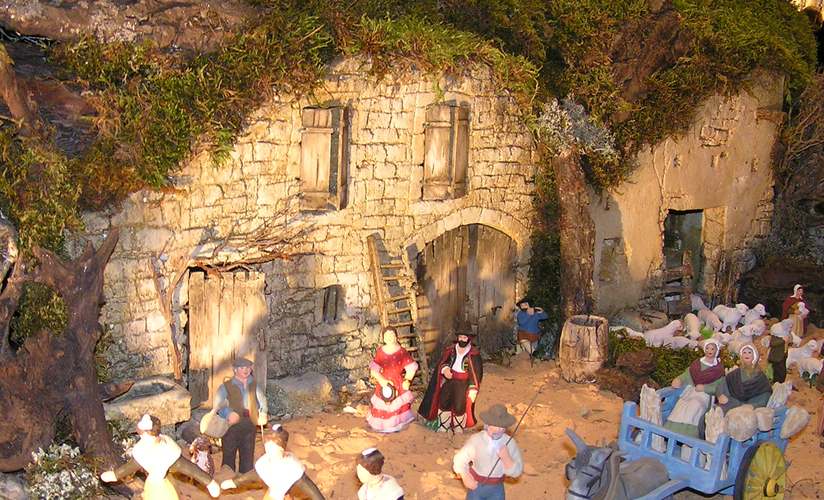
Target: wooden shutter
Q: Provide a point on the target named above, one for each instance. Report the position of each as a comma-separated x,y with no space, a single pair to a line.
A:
323,158
446,151
460,151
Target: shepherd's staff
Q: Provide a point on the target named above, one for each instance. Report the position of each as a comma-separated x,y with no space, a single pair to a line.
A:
534,398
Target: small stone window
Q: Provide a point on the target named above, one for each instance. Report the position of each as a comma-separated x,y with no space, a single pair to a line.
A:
446,151
323,158
333,304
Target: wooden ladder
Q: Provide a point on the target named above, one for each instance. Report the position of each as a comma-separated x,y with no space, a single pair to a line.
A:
678,287
396,302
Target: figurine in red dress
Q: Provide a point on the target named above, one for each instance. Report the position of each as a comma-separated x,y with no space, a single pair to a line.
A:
393,369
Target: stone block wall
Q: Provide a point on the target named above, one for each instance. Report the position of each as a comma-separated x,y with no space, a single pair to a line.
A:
721,165
173,228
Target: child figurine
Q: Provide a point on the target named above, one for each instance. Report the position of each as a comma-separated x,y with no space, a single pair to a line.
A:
158,455
278,469
200,454
375,484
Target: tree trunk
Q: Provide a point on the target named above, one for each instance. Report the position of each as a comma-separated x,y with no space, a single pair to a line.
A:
577,235
54,374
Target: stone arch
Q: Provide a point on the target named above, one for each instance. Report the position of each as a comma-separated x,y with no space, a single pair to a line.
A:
495,219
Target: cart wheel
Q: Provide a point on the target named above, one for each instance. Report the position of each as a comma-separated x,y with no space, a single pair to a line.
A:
761,474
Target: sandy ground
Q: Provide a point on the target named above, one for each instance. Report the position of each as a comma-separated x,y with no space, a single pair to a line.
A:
421,459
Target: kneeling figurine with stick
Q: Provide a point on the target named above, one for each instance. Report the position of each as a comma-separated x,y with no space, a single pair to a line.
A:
158,455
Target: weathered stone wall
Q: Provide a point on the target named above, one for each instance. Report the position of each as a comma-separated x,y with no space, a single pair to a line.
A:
721,165
165,228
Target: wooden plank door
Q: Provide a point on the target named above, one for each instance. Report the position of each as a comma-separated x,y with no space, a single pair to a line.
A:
467,279
490,286
227,312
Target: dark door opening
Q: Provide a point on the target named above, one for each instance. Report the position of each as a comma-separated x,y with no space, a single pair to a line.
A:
682,233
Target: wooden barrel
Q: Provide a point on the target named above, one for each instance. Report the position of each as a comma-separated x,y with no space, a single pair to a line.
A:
583,347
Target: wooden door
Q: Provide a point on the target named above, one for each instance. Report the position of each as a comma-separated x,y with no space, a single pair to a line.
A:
467,279
227,312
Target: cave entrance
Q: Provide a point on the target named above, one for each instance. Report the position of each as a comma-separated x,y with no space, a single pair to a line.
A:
467,280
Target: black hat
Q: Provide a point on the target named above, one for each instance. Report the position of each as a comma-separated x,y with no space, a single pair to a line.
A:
468,333
528,300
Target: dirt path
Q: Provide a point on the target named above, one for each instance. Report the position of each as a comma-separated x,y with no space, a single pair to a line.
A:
421,459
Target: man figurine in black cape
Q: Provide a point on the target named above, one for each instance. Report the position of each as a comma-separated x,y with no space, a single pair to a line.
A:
449,402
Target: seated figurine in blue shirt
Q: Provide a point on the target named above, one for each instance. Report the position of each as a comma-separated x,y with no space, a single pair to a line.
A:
240,400
528,318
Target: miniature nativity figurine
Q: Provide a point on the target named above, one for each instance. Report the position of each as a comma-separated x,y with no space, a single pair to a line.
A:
700,381
449,402
528,317
393,368
375,485
745,385
278,469
777,355
240,400
158,455
488,456
793,300
200,452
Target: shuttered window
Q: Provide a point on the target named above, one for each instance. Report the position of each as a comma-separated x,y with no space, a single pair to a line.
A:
323,158
446,151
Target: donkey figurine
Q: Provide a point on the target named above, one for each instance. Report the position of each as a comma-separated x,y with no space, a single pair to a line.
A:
599,474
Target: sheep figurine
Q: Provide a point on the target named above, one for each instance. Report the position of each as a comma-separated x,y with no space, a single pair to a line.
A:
710,319
697,303
755,314
681,342
659,336
730,316
797,353
810,366
724,338
754,329
693,326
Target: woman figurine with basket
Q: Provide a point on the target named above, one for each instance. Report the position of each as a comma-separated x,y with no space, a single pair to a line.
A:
393,369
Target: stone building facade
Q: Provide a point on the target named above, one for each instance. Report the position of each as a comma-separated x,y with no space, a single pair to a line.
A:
717,174
409,157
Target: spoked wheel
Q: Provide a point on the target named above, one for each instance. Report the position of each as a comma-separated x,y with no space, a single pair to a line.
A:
762,473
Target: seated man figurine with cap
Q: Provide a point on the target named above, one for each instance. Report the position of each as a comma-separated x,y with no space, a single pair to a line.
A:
375,484
278,469
240,400
528,317
488,456
158,455
449,402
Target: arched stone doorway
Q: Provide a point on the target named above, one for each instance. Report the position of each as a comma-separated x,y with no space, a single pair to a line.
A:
467,277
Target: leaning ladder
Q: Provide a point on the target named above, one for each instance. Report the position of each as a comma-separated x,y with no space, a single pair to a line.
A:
396,303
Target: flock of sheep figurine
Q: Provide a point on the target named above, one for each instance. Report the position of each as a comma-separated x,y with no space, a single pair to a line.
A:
722,319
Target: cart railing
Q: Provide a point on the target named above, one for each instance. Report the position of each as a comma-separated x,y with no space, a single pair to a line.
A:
707,467
701,469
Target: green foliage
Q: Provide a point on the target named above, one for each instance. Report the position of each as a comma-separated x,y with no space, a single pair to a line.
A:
40,309
669,363
729,39
38,191
545,264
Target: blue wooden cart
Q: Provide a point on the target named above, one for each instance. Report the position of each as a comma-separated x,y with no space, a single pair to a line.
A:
753,469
